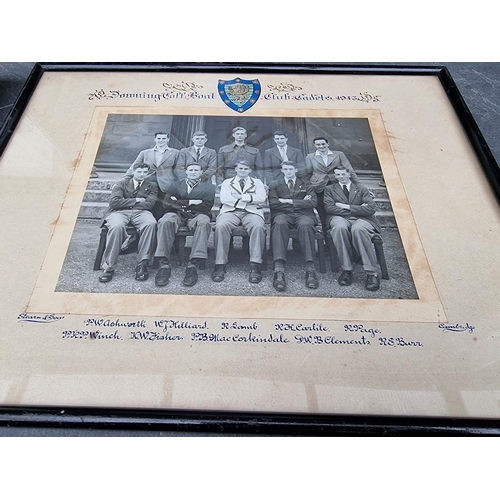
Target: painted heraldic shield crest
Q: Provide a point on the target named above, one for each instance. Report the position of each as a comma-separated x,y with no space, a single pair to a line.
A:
239,94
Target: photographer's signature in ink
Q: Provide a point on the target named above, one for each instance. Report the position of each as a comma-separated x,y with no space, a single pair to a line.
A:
457,327
33,318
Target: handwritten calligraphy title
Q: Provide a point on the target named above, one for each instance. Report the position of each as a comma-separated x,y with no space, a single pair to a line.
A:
191,90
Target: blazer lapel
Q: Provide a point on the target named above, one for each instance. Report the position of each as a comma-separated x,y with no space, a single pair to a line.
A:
299,184
353,193
235,185
129,188
165,156
283,191
181,188
144,189
249,184
340,192
319,160
193,192
192,152
330,158
152,157
276,153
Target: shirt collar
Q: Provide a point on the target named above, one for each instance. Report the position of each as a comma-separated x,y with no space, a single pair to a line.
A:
321,154
157,150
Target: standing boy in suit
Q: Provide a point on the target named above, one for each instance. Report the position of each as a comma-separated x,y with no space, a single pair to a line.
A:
292,200
230,155
161,161
197,154
274,157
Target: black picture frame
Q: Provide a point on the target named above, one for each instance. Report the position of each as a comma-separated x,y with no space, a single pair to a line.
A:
254,423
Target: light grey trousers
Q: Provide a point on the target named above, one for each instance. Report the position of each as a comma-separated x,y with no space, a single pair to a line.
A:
254,225
168,226
354,233
116,222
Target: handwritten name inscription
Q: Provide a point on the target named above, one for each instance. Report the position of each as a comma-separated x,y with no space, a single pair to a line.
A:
161,331
168,330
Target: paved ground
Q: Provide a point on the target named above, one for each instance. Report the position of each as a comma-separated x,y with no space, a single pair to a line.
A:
77,274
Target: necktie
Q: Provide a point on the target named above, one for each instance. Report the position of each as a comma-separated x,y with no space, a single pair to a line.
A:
242,184
346,191
283,154
197,153
136,190
290,186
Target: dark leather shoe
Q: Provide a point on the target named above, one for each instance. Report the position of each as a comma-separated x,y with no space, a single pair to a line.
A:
163,275
255,275
311,279
141,272
106,277
191,276
372,282
219,272
279,282
345,278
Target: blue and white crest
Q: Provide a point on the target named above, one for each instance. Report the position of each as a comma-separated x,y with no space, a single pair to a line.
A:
239,94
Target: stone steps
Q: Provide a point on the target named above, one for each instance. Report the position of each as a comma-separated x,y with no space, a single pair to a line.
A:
383,204
386,218
92,210
102,184
379,192
97,195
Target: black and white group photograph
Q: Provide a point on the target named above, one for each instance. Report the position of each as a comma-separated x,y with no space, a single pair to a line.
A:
237,206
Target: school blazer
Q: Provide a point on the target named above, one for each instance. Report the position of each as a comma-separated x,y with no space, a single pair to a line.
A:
273,161
360,199
203,191
163,173
321,175
122,196
279,189
207,161
253,196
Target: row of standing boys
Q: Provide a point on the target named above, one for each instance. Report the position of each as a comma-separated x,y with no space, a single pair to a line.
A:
165,188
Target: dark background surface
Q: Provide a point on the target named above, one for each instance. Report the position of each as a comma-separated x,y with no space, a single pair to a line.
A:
478,82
